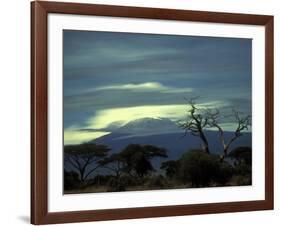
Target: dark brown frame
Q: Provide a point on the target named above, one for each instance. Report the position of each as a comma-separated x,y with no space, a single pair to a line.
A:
39,107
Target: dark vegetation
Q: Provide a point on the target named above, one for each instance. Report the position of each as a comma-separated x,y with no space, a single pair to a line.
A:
94,169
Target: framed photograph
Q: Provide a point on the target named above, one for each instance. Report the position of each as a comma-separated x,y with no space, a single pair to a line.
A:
148,112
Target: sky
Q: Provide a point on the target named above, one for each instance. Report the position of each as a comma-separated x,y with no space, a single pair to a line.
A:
111,78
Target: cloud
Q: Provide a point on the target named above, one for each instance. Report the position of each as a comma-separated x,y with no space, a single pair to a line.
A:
104,118
140,86
74,135
143,87
177,90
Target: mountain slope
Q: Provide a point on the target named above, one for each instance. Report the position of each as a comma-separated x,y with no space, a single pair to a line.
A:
163,132
175,143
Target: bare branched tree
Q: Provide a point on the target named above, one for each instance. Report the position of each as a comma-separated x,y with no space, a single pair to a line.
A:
200,119
195,123
243,123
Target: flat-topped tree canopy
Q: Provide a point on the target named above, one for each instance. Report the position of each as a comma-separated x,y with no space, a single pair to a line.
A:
87,149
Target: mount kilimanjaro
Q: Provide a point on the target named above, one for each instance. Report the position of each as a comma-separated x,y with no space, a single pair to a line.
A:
163,132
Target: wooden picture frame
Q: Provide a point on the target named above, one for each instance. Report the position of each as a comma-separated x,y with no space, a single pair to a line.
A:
39,112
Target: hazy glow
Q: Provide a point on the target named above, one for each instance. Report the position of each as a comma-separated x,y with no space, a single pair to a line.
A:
103,118
141,87
75,136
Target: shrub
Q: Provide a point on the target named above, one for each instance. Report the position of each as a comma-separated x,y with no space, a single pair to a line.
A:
100,180
115,184
156,182
198,168
224,173
201,169
242,159
242,180
241,155
121,183
127,180
243,169
170,167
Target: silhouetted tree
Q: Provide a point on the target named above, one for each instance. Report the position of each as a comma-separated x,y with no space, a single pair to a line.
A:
137,158
198,167
243,123
200,119
85,158
114,163
195,123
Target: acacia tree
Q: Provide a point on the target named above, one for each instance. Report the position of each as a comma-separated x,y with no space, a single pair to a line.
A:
137,158
114,163
243,123
195,123
85,158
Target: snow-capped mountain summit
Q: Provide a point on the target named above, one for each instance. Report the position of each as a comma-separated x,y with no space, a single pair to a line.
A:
144,126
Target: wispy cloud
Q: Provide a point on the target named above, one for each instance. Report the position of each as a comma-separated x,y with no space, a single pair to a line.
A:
143,87
133,87
74,135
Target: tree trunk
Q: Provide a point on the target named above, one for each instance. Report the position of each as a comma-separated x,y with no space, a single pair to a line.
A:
205,141
82,172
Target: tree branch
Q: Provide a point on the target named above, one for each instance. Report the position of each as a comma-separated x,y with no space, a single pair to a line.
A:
91,171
